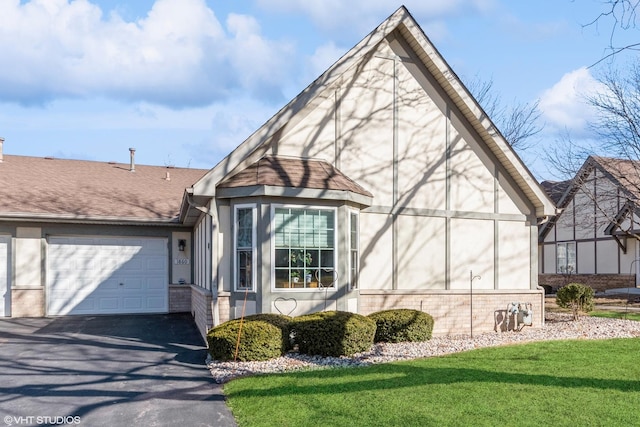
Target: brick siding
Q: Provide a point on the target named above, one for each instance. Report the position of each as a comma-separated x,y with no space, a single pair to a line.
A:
27,302
179,299
599,282
451,310
201,309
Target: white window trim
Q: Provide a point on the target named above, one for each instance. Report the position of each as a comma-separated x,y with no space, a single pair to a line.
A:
254,218
350,267
272,238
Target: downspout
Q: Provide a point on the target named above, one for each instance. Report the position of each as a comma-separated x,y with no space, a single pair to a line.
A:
215,307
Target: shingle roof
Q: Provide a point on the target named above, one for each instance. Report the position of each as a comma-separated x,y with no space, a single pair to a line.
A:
34,187
626,172
555,189
293,172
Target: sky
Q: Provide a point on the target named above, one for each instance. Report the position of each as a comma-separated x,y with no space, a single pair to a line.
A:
186,81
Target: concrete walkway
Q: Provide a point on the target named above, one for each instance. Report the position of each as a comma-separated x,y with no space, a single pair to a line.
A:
107,371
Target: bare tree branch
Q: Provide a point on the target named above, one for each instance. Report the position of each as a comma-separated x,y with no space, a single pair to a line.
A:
518,124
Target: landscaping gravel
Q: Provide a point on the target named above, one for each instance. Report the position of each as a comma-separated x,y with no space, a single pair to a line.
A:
558,326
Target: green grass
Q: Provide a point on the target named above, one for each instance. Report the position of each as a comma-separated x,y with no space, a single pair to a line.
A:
559,383
616,314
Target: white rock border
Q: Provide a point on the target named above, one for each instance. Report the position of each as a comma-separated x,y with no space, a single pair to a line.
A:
558,326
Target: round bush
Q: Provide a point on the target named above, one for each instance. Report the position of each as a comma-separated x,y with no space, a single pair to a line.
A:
280,321
402,325
576,297
259,340
333,333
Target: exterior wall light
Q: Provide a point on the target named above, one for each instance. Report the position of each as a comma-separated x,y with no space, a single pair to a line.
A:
182,243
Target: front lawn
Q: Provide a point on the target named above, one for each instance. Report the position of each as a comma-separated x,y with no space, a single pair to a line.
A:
560,383
616,314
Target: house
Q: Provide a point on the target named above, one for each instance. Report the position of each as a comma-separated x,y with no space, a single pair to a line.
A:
82,237
592,241
382,185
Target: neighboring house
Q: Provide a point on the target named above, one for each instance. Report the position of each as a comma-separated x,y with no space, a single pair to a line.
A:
592,240
382,185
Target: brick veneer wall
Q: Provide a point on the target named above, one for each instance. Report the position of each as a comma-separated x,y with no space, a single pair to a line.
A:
201,309
179,299
27,302
599,282
451,309
224,306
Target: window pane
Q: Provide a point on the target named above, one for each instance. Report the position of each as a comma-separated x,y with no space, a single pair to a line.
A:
245,263
354,231
326,258
244,225
282,278
571,257
303,232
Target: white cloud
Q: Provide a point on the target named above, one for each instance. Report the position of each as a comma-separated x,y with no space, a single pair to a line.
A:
179,54
564,105
323,58
364,15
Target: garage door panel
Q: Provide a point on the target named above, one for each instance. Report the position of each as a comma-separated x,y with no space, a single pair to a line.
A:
155,284
154,264
107,275
154,303
133,285
134,304
108,304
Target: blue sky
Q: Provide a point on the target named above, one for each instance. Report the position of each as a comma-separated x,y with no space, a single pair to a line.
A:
185,81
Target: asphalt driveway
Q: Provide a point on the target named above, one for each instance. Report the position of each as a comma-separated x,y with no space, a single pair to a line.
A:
107,371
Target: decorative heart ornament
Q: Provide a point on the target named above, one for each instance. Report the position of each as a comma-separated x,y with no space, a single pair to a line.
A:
326,277
285,306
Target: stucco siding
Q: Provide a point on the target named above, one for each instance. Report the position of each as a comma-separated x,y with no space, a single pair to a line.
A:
313,137
376,251
607,262
421,254
421,139
472,172
28,257
514,255
472,249
565,224
626,260
584,213
509,200
367,130
586,257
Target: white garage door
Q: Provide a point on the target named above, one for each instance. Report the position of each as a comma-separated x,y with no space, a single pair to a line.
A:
105,275
5,298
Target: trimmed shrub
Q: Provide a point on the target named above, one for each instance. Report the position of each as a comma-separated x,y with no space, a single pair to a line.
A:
576,297
280,321
259,340
333,333
402,325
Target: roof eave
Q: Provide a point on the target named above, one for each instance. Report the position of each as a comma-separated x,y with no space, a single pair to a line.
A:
295,192
87,219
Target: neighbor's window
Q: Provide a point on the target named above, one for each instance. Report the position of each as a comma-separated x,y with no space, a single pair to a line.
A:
354,250
566,258
304,247
245,247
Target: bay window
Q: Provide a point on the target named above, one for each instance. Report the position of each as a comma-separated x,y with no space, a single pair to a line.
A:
304,242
